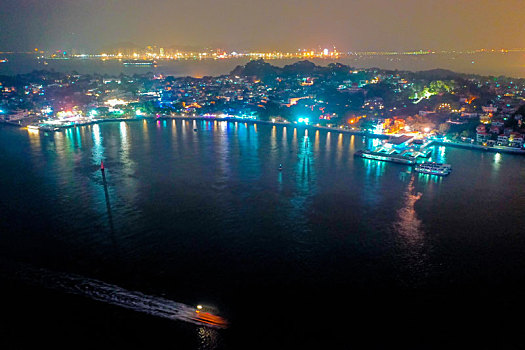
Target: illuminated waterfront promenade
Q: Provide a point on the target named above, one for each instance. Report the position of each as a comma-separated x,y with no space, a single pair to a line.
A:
342,130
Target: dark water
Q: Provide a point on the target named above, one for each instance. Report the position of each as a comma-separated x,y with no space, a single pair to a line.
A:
333,250
510,64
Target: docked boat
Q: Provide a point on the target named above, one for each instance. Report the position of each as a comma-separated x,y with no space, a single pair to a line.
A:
433,168
386,157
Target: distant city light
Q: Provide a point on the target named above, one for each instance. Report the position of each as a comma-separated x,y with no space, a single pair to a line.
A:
116,101
47,110
65,114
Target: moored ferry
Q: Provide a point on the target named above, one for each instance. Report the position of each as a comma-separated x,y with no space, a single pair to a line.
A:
433,168
386,157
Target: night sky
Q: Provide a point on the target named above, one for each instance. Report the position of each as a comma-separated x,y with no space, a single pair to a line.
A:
269,24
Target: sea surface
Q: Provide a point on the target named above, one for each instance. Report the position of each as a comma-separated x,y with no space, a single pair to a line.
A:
332,251
511,64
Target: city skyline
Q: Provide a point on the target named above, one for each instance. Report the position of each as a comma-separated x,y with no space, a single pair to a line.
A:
285,25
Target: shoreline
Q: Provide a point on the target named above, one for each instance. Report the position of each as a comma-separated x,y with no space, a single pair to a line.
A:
231,119
252,121
519,151
267,122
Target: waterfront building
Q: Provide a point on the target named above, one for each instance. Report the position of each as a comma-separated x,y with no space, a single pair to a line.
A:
503,140
516,139
482,137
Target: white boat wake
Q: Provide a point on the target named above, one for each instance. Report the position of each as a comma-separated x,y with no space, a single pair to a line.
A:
115,295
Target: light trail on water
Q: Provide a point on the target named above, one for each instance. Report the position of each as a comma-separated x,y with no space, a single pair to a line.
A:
114,295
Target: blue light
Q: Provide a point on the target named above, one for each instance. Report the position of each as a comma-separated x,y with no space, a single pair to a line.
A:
47,110
304,120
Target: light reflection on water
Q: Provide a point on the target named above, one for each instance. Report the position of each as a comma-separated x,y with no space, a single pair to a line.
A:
429,178
98,148
209,338
497,161
340,150
408,225
374,168
35,140
305,174
412,237
439,155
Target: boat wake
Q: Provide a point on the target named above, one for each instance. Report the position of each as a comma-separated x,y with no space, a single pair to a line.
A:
115,295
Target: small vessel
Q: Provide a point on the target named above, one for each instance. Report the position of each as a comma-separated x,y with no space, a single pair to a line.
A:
101,165
4,60
208,315
139,62
280,167
433,168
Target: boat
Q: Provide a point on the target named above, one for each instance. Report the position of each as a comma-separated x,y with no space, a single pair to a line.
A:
433,168
208,315
139,62
4,60
386,157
